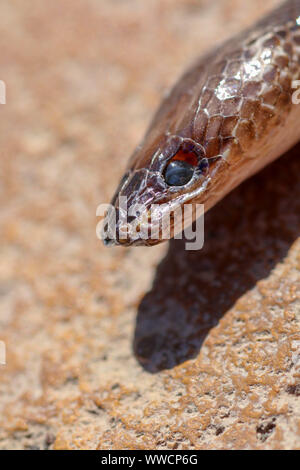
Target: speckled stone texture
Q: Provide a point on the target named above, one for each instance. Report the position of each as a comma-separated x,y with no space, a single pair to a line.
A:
136,348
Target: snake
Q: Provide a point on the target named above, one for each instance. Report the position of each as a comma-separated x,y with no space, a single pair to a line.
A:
229,115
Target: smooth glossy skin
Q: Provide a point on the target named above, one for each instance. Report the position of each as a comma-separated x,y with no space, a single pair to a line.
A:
228,116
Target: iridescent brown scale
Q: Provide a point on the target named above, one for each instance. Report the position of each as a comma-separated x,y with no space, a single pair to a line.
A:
233,109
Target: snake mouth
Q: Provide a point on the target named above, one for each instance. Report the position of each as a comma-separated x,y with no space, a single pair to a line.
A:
148,226
129,230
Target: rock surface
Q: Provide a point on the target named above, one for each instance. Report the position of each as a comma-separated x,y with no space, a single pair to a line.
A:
134,348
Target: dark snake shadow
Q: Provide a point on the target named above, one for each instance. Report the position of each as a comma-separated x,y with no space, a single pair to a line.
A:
246,235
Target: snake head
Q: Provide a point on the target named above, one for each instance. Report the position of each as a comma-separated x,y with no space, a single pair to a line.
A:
147,206
229,115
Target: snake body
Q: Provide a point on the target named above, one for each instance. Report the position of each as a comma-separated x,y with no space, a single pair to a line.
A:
226,118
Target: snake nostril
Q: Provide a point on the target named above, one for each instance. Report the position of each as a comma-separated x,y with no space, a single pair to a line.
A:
108,241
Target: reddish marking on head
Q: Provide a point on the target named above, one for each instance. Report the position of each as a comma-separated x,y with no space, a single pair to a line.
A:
186,156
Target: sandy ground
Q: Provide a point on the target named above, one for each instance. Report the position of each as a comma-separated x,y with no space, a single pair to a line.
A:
134,348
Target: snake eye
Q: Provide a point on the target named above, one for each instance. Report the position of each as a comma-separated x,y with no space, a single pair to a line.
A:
181,167
178,173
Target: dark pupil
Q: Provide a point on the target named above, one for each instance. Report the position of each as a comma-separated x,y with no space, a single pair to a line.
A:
178,173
